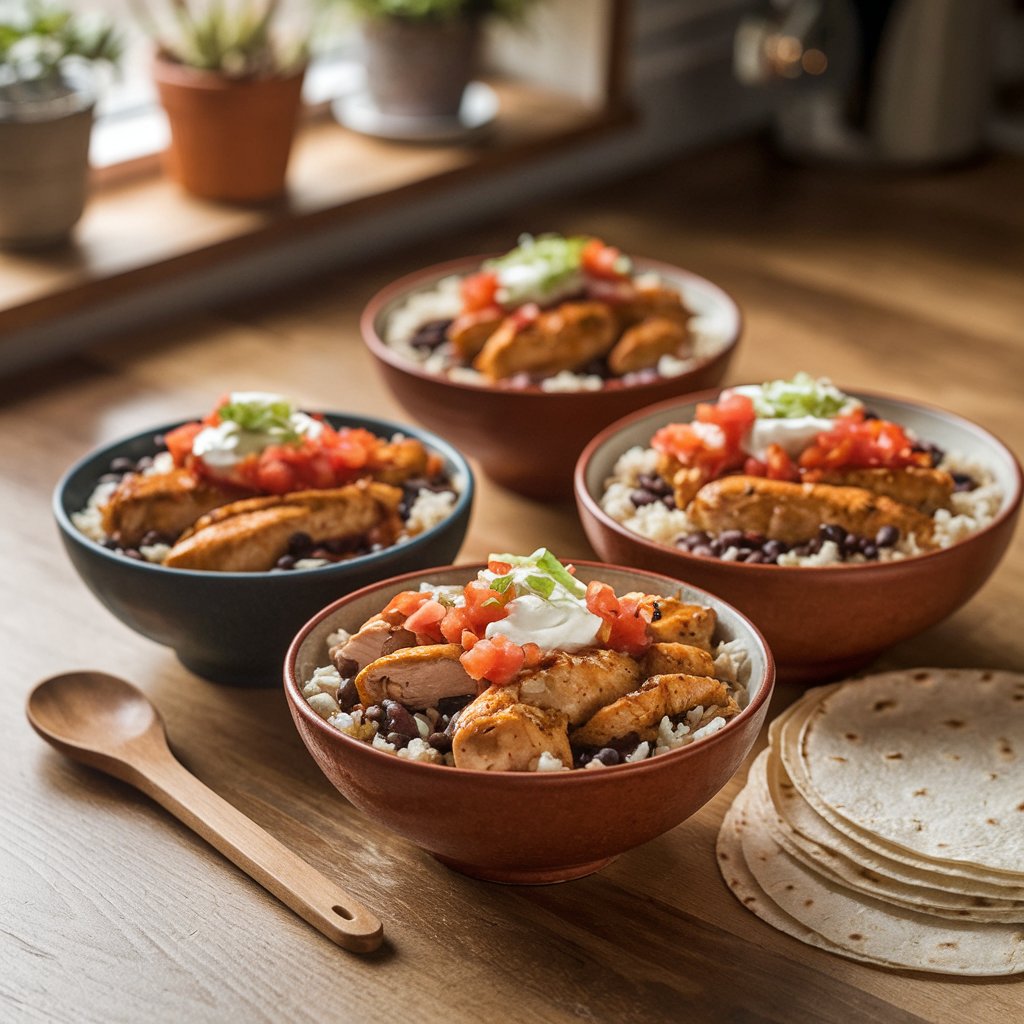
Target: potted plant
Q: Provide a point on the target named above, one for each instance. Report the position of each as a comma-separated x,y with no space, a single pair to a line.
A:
48,59
420,55
232,89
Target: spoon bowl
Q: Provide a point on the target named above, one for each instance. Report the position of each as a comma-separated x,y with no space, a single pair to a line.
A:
107,723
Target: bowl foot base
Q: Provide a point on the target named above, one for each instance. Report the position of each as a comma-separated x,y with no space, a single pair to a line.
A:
525,876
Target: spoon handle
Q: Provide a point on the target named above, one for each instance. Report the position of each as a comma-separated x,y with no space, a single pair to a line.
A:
325,905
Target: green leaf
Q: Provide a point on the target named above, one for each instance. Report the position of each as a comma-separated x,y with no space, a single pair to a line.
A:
543,585
501,583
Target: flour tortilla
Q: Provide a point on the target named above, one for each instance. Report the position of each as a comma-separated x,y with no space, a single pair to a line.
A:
814,832
738,877
865,928
859,877
789,739
931,761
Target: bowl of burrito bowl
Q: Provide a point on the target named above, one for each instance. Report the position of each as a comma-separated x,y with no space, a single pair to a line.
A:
220,536
521,358
841,522
551,716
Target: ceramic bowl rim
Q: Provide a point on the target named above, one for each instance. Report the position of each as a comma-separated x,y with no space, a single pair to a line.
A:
590,504
384,428
293,690
409,282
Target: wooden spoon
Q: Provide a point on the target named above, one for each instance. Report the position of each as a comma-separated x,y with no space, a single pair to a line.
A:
108,724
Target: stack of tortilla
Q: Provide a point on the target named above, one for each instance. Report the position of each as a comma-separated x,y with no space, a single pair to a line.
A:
885,822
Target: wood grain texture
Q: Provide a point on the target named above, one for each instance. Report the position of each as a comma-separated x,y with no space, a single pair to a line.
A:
112,911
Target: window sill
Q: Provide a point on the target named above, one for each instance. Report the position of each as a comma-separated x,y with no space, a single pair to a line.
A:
142,230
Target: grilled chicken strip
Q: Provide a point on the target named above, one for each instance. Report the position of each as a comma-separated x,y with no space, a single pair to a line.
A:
652,300
498,733
416,676
641,711
793,512
645,343
168,503
577,684
676,658
924,489
251,535
562,338
671,621
685,481
376,637
394,462
469,333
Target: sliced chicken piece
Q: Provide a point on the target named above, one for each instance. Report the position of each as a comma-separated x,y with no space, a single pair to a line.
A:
375,638
685,481
671,620
416,676
499,734
652,300
792,512
641,711
168,503
643,344
563,338
394,462
923,489
469,333
251,535
676,658
577,684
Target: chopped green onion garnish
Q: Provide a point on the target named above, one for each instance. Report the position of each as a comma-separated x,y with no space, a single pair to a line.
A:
543,585
501,583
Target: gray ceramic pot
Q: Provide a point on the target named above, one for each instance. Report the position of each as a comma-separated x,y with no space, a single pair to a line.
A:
44,163
419,68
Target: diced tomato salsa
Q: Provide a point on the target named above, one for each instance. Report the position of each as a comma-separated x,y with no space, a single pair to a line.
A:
856,442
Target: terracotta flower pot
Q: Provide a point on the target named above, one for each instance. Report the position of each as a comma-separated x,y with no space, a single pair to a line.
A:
418,68
44,167
230,138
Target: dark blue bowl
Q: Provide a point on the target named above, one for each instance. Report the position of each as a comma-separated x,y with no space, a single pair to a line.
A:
233,627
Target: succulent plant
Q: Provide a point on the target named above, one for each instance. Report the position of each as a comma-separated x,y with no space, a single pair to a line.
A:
236,39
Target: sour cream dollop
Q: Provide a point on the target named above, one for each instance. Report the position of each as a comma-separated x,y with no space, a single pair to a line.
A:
560,621
228,443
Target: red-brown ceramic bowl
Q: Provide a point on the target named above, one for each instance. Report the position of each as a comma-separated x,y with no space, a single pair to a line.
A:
823,621
525,827
528,439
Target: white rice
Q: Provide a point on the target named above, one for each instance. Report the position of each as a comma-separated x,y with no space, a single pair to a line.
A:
443,302
971,511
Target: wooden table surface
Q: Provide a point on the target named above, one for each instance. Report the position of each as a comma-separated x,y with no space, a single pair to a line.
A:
111,911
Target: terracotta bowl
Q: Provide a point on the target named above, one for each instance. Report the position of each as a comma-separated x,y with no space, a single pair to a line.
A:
525,827
528,439
825,621
235,627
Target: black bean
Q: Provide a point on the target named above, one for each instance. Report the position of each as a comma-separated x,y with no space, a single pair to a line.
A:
132,553
753,558
718,546
851,544
641,497
430,335
449,706
110,544
440,741
299,544
373,713
863,543
801,550
833,532
772,549
285,562
752,539
348,695
607,755
731,538
155,537
669,501
814,545
396,739
869,551
398,719
887,536
144,463
963,482
323,553
581,758
122,464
